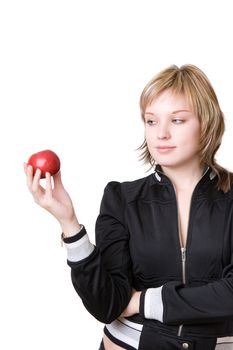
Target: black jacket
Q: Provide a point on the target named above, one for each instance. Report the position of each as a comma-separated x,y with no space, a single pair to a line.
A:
137,245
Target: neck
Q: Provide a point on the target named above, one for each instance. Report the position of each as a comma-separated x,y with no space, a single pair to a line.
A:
184,178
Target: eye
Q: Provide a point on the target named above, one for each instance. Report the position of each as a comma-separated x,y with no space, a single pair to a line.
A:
151,122
178,121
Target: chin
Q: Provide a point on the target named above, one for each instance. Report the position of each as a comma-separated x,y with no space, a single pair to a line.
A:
175,164
167,163
172,164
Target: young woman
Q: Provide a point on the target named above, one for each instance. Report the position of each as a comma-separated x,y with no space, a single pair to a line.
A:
161,273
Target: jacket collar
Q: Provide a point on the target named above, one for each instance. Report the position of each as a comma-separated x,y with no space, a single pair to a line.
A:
208,173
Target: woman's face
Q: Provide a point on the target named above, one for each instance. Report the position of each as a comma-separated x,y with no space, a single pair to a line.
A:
172,130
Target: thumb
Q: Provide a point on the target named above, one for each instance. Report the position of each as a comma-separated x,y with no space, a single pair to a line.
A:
57,180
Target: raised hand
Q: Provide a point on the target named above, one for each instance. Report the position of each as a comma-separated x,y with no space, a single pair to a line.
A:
54,198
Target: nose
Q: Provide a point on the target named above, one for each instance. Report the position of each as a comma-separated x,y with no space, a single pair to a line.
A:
163,132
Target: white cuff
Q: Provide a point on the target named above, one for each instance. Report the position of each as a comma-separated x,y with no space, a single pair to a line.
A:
153,304
80,249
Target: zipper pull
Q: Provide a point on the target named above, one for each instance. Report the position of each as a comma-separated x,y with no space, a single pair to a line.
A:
183,260
183,254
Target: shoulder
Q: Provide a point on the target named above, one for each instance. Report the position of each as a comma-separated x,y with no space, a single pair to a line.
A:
219,194
130,190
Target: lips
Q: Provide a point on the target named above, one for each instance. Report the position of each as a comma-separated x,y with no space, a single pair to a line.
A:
165,147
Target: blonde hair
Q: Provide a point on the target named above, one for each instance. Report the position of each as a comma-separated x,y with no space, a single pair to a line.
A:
193,83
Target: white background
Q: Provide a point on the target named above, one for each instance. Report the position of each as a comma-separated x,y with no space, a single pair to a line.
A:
71,73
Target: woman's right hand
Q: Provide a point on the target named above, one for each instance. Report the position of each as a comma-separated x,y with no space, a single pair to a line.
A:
53,198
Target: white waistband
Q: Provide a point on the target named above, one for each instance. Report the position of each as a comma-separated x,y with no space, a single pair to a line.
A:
129,333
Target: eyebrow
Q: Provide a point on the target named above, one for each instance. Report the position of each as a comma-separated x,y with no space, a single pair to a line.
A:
180,110
174,112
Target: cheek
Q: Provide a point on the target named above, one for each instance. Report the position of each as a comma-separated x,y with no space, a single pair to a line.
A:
195,135
191,138
149,136
150,141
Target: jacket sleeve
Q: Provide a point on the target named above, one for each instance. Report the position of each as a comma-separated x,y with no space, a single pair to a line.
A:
175,304
101,274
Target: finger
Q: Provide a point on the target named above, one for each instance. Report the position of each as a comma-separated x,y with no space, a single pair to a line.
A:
29,174
36,181
57,180
25,168
48,187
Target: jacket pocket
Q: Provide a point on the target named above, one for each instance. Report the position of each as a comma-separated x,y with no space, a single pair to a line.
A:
155,339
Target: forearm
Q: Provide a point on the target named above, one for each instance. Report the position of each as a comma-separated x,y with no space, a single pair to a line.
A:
101,274
204,304
176,304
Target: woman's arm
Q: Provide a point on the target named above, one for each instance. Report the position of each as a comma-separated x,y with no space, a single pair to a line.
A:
101,274
176,304
103,279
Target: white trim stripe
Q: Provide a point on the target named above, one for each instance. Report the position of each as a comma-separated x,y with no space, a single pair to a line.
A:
80,249
224,346
212,175
224,343
125,331
225,340
157,176
130,324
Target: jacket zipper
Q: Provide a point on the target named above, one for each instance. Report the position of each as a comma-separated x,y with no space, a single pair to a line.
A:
183,249
183,255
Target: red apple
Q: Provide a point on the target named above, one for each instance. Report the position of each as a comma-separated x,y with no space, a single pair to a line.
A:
46,161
